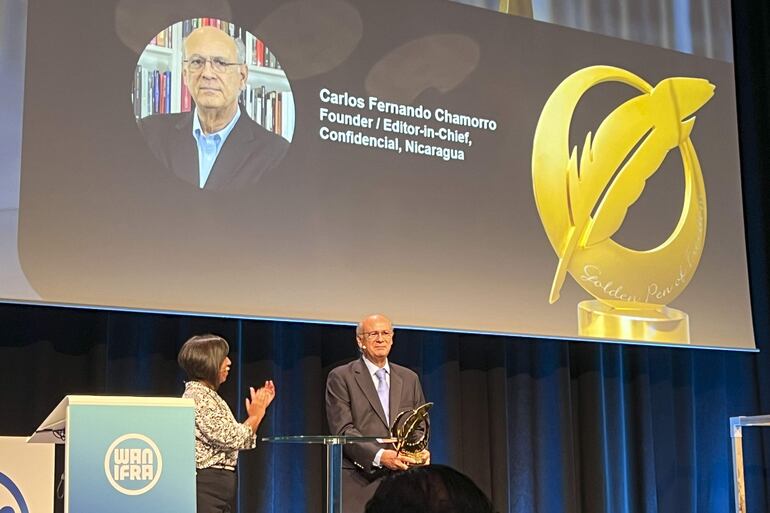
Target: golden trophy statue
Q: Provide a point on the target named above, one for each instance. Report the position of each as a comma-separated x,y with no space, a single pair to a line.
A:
583,199
411,430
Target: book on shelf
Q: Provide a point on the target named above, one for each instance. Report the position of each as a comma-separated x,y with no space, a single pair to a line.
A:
271,109
193,23
166,92
155,91
287,115
186,103
165,38
258,53
151,92
262,56
136,92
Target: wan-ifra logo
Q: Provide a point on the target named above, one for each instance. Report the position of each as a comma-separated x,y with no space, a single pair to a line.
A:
11,499
133,464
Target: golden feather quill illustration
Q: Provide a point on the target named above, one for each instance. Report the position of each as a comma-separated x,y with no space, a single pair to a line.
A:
583,196
637,136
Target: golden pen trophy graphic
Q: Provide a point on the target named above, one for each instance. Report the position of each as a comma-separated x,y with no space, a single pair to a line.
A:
411,430
583,199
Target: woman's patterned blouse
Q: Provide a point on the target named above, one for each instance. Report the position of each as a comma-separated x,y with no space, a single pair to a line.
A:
218,436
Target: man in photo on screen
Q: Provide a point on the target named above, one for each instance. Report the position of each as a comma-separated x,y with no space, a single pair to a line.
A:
363,398
217,146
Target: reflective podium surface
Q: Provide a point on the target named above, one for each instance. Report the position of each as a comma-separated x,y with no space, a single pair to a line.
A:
333,445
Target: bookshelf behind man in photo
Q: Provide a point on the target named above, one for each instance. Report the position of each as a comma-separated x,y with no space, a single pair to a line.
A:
215,145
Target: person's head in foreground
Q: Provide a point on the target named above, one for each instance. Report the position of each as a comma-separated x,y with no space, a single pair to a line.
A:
429,489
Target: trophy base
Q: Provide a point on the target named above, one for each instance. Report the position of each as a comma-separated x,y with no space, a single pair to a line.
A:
418,457
664,324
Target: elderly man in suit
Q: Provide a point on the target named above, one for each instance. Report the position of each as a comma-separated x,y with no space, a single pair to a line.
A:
363,398
215,147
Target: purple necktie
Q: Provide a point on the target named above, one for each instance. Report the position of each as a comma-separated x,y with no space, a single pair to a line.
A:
382,391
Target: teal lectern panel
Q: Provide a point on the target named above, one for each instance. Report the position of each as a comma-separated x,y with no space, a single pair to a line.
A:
130,458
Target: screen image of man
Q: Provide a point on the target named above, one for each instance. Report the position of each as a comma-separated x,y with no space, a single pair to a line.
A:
363,398
216,146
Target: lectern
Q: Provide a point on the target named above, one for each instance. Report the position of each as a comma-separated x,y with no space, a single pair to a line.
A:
124,454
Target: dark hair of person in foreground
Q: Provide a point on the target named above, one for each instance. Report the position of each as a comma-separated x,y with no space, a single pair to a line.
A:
429,489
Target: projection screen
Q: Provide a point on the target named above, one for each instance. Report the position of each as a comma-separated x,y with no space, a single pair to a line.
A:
454,167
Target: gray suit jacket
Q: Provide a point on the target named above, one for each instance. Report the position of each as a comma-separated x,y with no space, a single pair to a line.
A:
353,408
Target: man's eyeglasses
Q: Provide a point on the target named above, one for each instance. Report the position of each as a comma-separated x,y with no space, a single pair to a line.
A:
197,63
372,335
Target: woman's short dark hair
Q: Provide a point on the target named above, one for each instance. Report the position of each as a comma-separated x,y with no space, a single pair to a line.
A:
429,489
201,358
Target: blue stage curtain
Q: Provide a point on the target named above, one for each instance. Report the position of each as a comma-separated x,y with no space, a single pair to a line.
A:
540,425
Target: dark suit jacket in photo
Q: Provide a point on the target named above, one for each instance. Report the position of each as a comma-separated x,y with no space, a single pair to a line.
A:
248,152
353,408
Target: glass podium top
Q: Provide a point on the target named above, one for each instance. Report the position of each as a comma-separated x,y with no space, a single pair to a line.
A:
326,439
